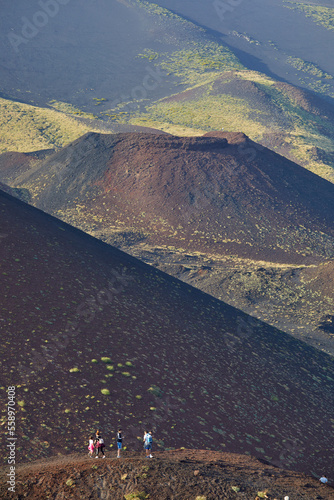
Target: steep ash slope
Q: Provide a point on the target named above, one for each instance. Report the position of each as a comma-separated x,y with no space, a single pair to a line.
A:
91,338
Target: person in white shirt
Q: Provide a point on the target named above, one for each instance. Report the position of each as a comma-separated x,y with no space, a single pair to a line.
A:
148,444
323,480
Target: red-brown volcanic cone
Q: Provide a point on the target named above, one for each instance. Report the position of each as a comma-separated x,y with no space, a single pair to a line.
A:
221,193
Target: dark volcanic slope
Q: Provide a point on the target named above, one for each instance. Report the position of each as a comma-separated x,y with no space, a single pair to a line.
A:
220,193
22,194
94,338
101,50
13,164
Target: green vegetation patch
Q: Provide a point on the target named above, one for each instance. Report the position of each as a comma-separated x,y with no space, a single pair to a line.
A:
208,112
149,54
105,359
195,61
153,8
308,67
106,392
324,16
30,128
99,100
69,109
136,496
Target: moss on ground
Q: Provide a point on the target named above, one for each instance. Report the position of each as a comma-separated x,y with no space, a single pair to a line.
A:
202,108
308,67
324,16
29,128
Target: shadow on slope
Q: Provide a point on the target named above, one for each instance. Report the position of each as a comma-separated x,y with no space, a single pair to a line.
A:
97,49
99,339
266,31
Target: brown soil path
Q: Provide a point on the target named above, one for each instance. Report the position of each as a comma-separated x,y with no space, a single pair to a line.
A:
177,474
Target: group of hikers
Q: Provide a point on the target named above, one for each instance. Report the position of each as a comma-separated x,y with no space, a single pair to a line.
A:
96,444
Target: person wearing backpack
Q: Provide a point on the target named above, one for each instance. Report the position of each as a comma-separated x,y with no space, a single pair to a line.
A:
99,445
148,441
119,442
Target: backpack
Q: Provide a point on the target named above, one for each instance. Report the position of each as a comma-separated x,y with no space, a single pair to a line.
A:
101,441
148,439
